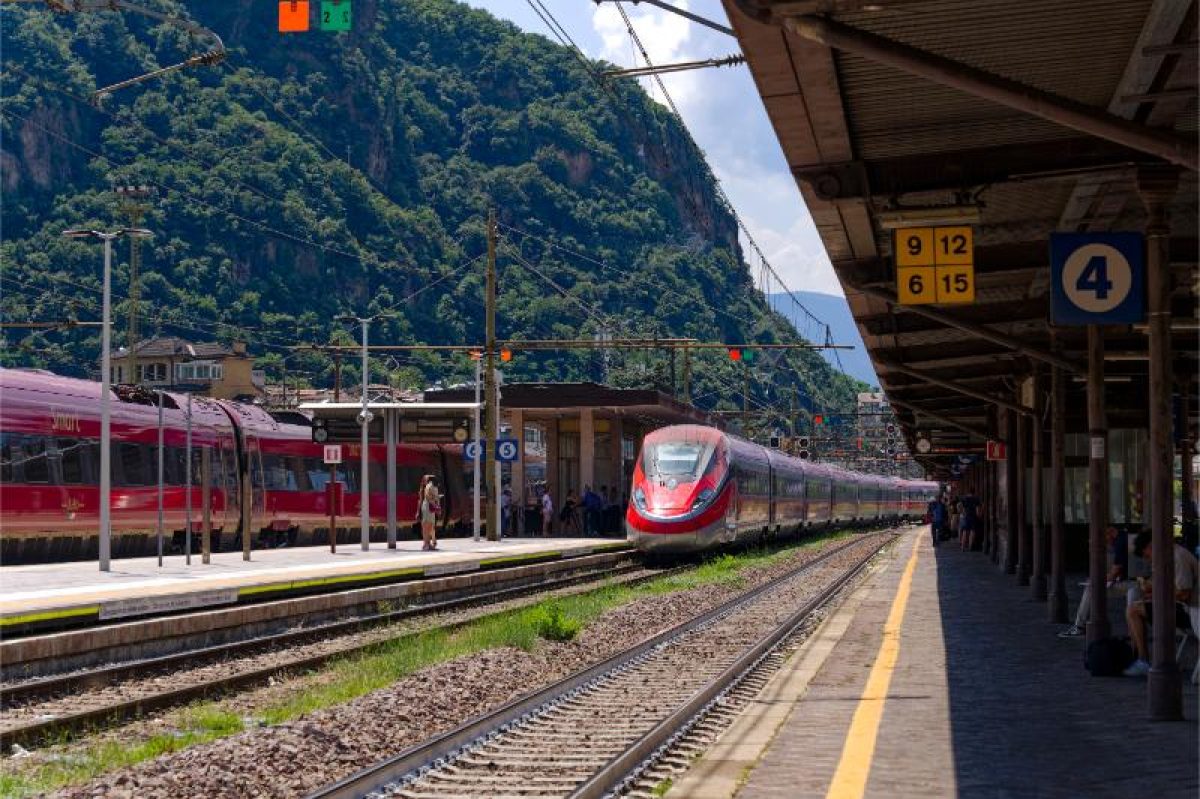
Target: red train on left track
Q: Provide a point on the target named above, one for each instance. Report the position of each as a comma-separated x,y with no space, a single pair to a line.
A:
265,469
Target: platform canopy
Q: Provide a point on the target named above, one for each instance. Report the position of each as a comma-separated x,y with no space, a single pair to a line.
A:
1016,119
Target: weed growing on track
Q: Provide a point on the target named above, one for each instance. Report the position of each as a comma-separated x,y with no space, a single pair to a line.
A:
200,725
393,660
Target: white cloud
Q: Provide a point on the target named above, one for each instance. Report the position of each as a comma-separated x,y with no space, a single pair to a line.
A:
667,38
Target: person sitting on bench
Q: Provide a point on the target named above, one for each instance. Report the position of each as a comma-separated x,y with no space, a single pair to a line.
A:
1138,613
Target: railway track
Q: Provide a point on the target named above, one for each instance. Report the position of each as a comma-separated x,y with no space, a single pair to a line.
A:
593,733
32,711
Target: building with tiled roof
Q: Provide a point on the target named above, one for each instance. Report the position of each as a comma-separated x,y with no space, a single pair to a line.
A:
202,367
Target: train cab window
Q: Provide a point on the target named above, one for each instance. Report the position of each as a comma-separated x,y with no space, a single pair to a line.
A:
677,458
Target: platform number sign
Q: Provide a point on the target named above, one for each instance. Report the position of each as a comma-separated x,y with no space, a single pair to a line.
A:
935,265
333,454
507,450
293,16
1097,278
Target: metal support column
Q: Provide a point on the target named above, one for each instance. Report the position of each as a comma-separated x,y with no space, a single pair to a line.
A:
391,426
1165,686
1010,491
1058,420
1038,561
1097,626
1023,541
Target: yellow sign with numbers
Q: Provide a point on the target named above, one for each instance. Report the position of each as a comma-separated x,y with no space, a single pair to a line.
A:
935,265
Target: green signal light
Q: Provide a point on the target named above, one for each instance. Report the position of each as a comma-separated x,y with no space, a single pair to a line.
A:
748,355
335,15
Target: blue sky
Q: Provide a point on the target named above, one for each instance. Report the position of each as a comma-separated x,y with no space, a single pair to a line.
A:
744,155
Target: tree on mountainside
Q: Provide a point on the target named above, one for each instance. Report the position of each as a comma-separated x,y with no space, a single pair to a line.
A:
321,174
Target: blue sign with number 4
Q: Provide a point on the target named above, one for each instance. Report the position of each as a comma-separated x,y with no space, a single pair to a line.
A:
1097,278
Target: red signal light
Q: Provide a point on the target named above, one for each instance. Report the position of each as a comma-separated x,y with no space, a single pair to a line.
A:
506,354
819,419
735,354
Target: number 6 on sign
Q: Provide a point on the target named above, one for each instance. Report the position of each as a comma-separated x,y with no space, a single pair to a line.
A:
915,285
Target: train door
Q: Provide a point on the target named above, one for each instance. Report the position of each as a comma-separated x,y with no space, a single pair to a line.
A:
258,493
772,496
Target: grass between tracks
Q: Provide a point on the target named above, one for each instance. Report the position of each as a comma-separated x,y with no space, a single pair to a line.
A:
346,679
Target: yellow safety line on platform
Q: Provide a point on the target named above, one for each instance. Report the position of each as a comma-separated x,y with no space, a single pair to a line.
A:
348,578
46,615
521,558
850,779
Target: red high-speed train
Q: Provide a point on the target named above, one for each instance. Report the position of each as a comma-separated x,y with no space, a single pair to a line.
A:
696,488
50,466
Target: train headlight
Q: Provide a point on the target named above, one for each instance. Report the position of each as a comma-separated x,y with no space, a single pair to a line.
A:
639,498
706,496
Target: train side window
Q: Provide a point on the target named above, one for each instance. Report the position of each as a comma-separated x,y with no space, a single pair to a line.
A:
73,461
134,464
408,479
318,473
276,475
299,473
9,452
30,453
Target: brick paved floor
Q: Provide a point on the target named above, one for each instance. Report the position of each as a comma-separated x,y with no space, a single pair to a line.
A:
985,701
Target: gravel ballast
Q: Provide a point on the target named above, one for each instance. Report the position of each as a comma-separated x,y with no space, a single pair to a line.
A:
296,757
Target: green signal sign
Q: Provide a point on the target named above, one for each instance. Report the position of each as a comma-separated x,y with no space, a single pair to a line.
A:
335,15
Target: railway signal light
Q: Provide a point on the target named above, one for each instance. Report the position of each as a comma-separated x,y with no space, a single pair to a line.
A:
320,431
505,354
774,442
819,419
804,455
891,429
735,354
805,442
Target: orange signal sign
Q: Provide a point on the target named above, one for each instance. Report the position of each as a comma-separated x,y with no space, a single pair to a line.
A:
293,16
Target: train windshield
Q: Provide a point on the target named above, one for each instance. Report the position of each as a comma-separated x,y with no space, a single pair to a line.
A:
677,459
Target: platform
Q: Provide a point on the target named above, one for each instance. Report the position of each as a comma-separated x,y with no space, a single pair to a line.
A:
983,700
139,587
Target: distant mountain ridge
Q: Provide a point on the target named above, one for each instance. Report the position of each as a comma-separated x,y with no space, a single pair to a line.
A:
834,311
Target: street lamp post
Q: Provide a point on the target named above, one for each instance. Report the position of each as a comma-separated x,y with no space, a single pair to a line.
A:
364,419
106,383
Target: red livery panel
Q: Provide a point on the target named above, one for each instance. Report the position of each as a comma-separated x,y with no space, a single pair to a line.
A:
264,470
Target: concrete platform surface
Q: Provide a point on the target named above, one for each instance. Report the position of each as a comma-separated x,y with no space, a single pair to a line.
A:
954,685
37,588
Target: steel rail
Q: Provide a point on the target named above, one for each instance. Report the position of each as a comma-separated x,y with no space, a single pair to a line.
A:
443,746
626,766
120,711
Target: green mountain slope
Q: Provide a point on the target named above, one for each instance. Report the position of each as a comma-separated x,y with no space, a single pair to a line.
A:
317,174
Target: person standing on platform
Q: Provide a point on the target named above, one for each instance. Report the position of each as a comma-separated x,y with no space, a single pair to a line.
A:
547,513
431,507
505,509
968,521
937,518
593,511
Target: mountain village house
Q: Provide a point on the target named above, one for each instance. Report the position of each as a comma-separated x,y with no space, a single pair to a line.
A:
207,368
